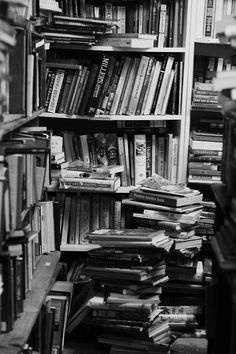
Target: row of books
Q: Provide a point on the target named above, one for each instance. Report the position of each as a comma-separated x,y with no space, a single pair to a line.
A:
165,19
133,156
209,13
87,212
48,333
7,41
127,85
17,264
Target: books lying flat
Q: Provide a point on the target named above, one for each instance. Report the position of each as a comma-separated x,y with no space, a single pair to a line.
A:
125,273
127,42
141,345
194,241
129,238
90,184
162,185
190,218
179,209
153,196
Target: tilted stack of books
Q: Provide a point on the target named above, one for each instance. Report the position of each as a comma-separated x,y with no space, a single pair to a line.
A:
82,176
130,267
176,209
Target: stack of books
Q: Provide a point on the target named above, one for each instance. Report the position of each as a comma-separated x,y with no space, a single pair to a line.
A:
205,157
176,209
80,175
130,268
76,30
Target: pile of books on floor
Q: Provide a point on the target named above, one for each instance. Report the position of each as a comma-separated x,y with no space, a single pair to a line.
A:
130,268
177,210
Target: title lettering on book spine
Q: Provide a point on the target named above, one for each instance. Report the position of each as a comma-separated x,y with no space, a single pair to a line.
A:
99,84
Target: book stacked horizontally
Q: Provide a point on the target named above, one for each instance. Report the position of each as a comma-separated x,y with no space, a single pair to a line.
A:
79,175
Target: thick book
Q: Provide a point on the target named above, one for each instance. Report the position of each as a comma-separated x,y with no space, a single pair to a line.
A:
165,199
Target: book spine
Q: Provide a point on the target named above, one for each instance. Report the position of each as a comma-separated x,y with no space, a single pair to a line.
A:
137,85
144,86
148,155
209,18
152,198
139,157
56,90
91,184
95,98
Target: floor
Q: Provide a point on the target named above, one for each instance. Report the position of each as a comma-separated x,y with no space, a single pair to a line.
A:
182,346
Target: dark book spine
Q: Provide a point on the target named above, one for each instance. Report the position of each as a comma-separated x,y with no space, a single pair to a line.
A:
97,92
51,77
145,85
83,109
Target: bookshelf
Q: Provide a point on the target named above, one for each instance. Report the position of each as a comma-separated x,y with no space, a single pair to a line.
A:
53,48
221,290
14,341
27,272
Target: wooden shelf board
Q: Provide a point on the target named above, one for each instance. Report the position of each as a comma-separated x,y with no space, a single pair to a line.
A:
16,121
78,248
112,117
107,48
44,276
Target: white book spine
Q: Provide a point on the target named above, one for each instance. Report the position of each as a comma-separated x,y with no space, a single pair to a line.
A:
56,91
139,157
138,85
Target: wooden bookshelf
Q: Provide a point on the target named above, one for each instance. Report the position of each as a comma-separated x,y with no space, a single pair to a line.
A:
45,275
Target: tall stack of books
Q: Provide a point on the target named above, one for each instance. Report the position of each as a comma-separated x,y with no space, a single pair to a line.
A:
130,267
177,210
205,157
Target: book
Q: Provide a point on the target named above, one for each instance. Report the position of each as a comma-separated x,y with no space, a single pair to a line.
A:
165,199
136,90
209,18
190,218
158,206
57,84
139,157
100,81
168,76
